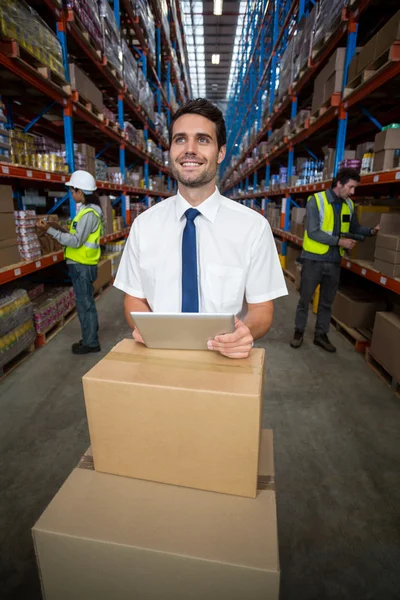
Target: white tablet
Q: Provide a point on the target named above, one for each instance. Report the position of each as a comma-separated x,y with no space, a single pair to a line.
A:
181,331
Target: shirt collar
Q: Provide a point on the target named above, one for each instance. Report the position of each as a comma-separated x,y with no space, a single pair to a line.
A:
208,208
332,197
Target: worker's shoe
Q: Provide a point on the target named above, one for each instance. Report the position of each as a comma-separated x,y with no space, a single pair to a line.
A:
297,338
80,348
321,339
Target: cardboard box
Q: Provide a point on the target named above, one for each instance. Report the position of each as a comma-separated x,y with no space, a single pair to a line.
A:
104,274
389,139
364,149
333,84
336,62
386,240
9,253
105,537
367,54
85,87
298,214
292,254
190,418
355,310
353,69
390,256
389,34
385,344
8,230
389,234
6,199
387,268
384,160
106,207
368,216
297,229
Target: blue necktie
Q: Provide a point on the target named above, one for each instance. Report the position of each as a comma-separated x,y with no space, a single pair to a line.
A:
190,289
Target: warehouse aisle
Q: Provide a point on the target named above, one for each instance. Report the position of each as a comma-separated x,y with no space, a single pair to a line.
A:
337,453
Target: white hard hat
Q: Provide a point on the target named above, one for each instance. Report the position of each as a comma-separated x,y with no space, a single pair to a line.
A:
82,180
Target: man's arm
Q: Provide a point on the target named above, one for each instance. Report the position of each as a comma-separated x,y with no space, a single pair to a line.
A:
132,304
259,318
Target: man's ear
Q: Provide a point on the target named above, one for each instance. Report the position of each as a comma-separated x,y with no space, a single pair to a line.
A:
221,154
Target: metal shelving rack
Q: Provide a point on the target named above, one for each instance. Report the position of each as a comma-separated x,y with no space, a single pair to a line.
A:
75,117
265,37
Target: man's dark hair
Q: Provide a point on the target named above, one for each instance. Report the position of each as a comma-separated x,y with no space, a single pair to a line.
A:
344,175
206,109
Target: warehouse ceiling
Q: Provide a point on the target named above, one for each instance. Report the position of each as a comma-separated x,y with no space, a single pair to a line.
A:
207,35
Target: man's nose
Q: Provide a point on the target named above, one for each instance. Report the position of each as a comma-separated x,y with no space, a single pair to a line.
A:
191,146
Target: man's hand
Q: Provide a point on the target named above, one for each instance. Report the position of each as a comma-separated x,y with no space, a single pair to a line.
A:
233,345
42,224
347,243
375,230
137,337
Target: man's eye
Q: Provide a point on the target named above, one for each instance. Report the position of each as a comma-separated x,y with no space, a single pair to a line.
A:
178,140
203,139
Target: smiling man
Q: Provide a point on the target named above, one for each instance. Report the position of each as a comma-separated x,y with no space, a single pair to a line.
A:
199,251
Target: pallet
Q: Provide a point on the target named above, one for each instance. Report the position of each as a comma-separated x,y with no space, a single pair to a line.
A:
112,125
74,17
44,338
333,100
380,370
15,51
358,339
16,361
87,105
392,54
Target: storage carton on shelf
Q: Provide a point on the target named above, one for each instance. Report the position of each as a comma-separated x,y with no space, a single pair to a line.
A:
355,308
105,536
166,401
385,345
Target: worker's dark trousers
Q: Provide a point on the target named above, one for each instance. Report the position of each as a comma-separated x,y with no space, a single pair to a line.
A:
315,272
82,277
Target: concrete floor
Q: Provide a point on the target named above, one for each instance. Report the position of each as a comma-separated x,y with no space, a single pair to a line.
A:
337,455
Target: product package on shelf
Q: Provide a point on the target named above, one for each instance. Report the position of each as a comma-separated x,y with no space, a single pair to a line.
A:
286,71
51,307
130,71
28,243
5,146
114,175
143,11
88,13
161,125
16,325
146,98
303,44
88,92
111,37
135,177
327,19
21,23
132,134
113,247
154,150
100,169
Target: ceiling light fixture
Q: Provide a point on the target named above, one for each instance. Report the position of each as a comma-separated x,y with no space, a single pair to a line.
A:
215,59
218,7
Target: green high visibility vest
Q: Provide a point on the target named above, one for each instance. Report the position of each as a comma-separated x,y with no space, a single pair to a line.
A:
89,252
327,222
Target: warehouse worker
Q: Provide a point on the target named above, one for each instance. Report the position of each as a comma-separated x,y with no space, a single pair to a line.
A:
199,251
328,215
82,254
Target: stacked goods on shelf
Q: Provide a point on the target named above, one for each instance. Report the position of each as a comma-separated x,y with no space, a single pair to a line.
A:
32,289
385,344
180,41
100,169
104,274
387,249
20,22
368,216
146,98
387,148
155,151
28,243
161,125
172,98
293,254
88,13
163,10
135,177
136,209
329,81
22,148
144,13
111,38
134,136
286,71
329,161
16,325
5,146
113,252
326,22
356,308
51,306
47,243
373,50
88,153
111,116
299,121
114,175
9,253
298,216
88,92
106,207
118,224
303,44
130,71
273,214
48,155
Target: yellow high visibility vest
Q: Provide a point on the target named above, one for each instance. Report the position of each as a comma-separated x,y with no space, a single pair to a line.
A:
327,222
89,252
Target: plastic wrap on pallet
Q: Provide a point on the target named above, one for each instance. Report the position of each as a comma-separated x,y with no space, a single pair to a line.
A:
88,13
327,19
109,21
286,70
51,307
146,100
131,133
15,309
154,150
100,170
163,9
130,71
16,341
21,23
113,52
161,125
303,43
143,11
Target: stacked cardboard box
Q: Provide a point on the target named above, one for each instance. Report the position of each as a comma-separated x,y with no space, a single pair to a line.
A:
211,531
387,250
327,20
368,216
273,214
385,345
303,43
293,254
386,149
81,83
355,308
89,152
298,216
9,253
106,207
329,81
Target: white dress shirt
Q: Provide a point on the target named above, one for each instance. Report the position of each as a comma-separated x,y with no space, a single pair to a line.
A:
236,255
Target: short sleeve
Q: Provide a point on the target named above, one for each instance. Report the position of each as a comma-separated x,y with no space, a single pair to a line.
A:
265,280
128,275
